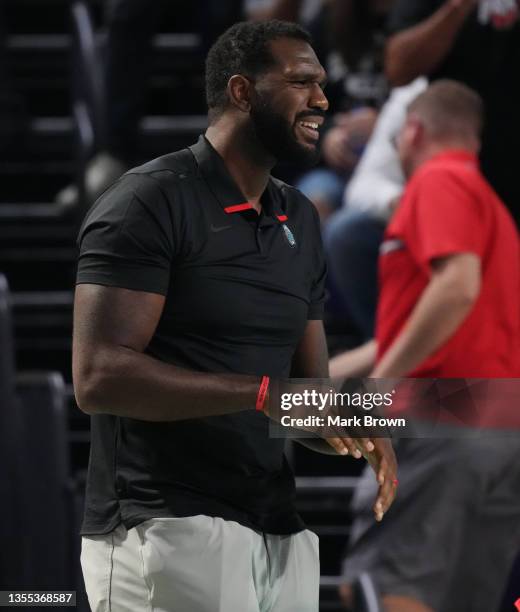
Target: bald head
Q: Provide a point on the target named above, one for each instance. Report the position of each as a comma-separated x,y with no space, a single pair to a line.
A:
450,111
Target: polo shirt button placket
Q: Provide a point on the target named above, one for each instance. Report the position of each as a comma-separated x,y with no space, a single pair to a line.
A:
259,239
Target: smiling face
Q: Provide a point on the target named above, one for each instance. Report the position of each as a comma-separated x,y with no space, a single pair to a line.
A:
288,107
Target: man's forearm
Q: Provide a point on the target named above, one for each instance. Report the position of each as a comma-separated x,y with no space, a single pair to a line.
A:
438,314
311,360
128,383
354,363
421,49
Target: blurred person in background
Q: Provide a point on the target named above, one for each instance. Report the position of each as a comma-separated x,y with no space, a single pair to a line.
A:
128,52
353,235
299,11
343,144
476,42
130,25
351,38
449,307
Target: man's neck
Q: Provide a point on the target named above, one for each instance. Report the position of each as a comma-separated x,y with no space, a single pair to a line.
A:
247,164
437,148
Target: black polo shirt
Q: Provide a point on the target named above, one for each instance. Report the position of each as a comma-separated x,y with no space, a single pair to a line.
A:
239,290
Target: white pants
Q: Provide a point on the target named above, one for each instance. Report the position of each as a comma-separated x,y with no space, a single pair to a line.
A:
200,564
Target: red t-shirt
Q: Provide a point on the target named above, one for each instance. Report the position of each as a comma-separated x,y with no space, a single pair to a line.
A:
448,207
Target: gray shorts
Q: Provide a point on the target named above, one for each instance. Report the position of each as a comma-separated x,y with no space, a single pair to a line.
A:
200,564
451,536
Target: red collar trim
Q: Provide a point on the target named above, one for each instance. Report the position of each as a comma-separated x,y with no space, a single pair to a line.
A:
247,206
238,207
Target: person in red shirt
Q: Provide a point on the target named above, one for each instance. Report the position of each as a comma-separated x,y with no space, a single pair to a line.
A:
450,260
449,307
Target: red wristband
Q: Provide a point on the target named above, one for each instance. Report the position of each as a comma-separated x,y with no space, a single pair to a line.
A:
262,392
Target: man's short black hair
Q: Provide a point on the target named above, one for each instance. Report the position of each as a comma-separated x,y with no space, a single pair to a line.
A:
244,49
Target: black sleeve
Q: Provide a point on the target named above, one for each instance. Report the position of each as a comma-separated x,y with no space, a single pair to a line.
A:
127,239
407,13
318,292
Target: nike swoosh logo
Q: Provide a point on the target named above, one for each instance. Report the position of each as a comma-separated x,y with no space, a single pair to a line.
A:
219,229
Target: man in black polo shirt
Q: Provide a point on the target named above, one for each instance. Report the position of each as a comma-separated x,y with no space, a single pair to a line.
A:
200,276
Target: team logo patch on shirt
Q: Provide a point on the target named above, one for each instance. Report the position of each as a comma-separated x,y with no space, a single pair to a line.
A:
289,235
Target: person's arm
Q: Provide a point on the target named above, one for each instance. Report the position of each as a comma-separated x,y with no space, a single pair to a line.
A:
444,304
378,179
355,363
420,49
113,375
311,357
311,361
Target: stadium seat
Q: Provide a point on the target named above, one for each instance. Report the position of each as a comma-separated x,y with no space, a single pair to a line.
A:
46,514
12,569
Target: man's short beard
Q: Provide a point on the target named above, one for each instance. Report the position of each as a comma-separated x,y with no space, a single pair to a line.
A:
276,135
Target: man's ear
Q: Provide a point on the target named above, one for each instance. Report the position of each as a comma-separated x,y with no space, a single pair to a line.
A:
421,132
239,92
418,129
